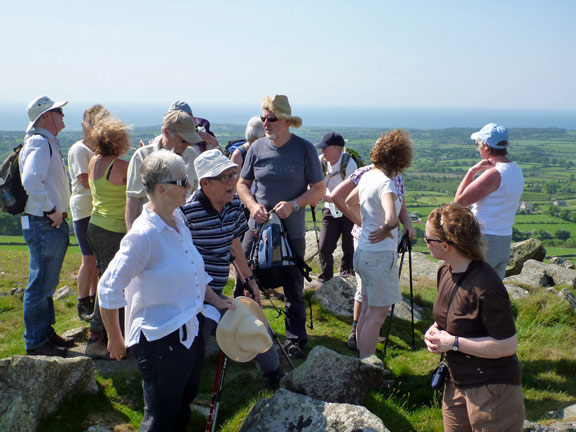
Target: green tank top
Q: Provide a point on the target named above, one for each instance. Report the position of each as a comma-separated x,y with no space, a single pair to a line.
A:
108,203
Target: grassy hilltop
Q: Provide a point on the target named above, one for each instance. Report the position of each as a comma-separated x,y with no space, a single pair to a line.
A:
545,324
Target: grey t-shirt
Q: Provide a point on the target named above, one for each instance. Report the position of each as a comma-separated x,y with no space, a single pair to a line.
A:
282,174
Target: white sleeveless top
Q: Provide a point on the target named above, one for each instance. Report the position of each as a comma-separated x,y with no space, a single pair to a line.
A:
495,212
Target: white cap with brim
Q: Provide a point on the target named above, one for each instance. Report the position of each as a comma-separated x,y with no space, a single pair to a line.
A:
38,107
492,134
212,163
242,333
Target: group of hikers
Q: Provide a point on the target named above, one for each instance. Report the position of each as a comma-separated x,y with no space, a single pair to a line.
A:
158,235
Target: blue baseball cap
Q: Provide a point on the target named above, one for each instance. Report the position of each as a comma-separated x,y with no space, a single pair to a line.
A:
180,105
331,139
492,134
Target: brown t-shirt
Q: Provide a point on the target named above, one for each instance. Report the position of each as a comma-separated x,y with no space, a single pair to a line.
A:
481,307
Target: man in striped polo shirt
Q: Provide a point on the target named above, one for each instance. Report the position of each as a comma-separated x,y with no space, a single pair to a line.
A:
215,216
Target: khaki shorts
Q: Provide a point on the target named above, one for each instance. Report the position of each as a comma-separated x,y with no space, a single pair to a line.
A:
487,408
378,272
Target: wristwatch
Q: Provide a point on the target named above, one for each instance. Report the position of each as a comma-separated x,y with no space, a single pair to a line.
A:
455,345
296,206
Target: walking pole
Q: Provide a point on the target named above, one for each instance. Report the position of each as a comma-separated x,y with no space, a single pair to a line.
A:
402,246
216,393
274,335
313,211
411,291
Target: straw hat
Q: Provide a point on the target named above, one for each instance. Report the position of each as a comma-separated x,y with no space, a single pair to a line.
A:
280,106
242,333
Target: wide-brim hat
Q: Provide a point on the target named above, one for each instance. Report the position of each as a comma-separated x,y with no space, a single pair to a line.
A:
280,106
39,106
492,134
183,124
242,333
212,163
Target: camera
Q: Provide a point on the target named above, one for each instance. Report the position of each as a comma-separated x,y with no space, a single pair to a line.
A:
439,376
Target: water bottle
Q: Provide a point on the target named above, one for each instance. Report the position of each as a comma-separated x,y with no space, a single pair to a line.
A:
7,196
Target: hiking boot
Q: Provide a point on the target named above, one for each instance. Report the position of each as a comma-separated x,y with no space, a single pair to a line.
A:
85,308
293,349
97,349
351,342
61,342
271,381
48,349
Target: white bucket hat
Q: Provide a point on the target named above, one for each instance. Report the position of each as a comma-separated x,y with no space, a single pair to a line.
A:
242,333
38,107
211,163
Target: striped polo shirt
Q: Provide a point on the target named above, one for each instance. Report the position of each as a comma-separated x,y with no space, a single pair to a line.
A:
212,234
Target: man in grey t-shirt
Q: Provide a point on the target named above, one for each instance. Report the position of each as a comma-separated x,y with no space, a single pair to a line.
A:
288,176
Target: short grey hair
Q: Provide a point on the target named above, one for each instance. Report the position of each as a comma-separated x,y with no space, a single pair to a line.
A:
254,129
160,167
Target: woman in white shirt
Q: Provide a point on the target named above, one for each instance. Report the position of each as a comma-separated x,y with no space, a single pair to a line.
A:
494,195
158,276
376,206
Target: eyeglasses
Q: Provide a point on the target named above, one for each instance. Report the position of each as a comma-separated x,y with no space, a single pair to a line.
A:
57,111
428,240
270,119
226,177
180,182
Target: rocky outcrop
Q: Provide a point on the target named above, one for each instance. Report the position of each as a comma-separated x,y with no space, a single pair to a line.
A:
288,411
31,387
337,296
536,274
520,252
333,377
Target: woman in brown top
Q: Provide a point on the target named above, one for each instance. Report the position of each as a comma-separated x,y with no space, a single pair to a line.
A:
474,326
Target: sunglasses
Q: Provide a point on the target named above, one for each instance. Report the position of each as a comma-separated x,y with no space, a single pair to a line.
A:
226,177
180,182
270,119
428,240
57,111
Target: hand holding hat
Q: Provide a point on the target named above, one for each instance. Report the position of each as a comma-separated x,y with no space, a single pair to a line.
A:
242,333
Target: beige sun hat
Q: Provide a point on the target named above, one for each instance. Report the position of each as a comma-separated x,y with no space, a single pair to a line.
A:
183,124
242,333
39,106
280,106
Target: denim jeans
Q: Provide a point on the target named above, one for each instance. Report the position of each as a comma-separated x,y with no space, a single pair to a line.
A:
47,246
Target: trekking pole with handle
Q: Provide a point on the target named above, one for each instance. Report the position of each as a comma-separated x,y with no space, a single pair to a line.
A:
274,335
404,245
216,393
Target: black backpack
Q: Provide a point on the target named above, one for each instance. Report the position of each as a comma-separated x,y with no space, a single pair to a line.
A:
13,196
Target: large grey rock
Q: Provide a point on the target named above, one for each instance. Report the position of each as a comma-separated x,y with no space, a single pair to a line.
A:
31,387
557,275
564,413
554,427
515,292
562,262
531,278
402,310
566,294
422,268
333,377
311,255
523,251
288,411
337,296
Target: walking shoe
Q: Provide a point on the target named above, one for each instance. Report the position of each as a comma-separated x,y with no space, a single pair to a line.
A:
48,349
97,349
271,380
61,342
293,349
85,308
351,342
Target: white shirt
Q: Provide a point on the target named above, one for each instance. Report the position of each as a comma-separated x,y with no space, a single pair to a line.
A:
79,157
43,175
158,275
333,177
372,186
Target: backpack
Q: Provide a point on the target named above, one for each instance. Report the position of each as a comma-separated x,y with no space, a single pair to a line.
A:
13,196
346,156
232,146
271,253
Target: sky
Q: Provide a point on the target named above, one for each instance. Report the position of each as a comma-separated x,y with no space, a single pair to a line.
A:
487,54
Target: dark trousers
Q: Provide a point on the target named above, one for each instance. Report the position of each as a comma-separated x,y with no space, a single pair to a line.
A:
295,316
332,229
170,379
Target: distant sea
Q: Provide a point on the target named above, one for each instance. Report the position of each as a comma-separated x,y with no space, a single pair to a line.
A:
13,117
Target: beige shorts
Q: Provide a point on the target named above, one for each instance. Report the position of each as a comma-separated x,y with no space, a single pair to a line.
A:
378,272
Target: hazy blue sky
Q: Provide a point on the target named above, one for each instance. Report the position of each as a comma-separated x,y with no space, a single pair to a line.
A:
484,54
